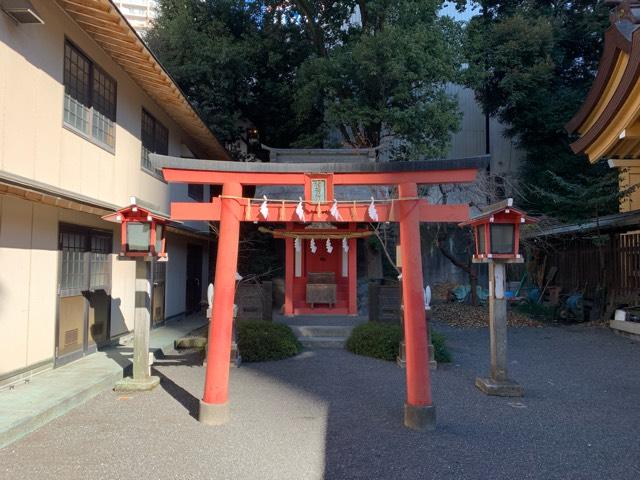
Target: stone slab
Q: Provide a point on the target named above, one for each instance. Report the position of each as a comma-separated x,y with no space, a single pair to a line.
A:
507,388
624,326
137,385
421,418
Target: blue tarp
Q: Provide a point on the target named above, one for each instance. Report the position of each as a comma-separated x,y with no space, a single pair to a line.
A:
462,292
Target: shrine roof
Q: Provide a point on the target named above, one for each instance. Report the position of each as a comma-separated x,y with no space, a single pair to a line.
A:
606,123
162,161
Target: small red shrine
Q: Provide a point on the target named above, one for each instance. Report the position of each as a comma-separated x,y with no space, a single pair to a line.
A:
320,232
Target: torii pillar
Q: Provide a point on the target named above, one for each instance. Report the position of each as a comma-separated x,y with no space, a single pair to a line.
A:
214,406
419,412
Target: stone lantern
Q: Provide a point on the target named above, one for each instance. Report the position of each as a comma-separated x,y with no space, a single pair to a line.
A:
496,232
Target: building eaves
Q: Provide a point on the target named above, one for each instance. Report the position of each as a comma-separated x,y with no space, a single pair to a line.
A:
617,221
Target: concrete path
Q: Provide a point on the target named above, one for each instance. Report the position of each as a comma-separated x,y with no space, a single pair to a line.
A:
27,406
330,414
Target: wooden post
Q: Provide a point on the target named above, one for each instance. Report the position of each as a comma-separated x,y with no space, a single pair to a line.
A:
419,412
214,403
498,382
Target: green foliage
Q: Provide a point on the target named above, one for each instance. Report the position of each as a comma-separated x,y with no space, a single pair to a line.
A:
236,61
440,351
259,341
382,340
385,77
595,194
298,69
377,340
531,64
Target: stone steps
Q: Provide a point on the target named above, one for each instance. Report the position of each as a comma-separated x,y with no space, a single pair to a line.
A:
322,336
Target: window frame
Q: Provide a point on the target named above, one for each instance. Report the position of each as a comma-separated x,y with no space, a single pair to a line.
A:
155,122
91,100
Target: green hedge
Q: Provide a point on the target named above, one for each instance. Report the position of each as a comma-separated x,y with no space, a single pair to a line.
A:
440,351
375,339
382,340
259,341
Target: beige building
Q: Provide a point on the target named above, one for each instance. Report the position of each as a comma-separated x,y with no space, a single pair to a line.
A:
82,103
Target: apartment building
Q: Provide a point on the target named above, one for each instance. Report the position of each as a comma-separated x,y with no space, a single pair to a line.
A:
82,104
139,13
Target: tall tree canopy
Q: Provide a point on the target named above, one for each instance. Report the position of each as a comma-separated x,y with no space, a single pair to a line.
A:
370,69
531,64
379,73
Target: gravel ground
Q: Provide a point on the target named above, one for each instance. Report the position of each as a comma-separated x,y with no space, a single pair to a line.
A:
469,316
330,414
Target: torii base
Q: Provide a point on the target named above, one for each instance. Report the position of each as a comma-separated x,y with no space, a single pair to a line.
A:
213,413
420,418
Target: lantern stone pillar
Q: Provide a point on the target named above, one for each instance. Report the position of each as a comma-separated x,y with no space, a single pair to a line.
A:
498,382
142,358
419,412
214,404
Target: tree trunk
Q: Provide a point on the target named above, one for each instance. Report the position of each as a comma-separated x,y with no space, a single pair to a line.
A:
467,268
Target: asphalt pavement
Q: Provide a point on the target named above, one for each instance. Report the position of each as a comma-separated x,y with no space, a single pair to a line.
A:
330,414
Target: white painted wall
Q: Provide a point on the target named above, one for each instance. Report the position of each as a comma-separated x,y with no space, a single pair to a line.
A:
34,144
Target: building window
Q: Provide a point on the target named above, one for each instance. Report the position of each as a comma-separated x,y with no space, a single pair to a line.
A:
89,98
155,139
86,264
196,191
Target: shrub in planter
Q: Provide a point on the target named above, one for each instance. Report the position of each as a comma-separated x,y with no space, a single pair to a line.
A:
440,351
377,340
259,340
382,340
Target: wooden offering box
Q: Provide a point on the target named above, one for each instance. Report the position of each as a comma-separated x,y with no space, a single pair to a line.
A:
321,288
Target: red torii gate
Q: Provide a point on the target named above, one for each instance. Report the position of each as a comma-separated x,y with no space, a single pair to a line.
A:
231,208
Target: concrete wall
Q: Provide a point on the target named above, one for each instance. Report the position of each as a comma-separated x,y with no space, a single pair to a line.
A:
470,140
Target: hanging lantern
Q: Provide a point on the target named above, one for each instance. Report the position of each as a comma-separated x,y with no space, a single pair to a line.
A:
142,231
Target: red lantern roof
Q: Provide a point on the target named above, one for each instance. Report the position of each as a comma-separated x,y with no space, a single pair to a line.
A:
136,211
503,209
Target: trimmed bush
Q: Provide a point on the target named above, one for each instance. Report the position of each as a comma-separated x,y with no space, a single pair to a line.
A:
382,340
259,341
440,351
375,339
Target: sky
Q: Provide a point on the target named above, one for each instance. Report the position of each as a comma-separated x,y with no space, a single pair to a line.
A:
450,10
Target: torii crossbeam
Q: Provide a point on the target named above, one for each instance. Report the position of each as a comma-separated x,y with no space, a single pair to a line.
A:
231,208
